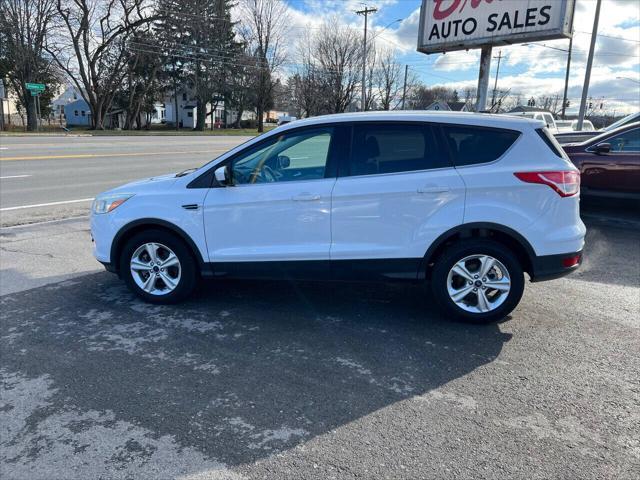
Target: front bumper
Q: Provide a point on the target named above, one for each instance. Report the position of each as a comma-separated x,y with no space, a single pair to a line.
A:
549,267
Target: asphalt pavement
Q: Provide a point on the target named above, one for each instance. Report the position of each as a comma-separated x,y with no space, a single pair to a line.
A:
283,380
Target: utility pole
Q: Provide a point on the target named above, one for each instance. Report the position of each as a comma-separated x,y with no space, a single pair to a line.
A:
587,76
566,79
404,88
483,77
365,12
495,85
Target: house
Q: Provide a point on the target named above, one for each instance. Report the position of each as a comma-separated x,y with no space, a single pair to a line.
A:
69,95
448,106
78,113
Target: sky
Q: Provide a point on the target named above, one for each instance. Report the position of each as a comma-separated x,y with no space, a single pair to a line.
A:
529,70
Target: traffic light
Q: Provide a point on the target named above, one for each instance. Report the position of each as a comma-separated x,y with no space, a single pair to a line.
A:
567,104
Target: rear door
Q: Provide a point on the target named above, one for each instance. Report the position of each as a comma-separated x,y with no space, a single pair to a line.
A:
396,193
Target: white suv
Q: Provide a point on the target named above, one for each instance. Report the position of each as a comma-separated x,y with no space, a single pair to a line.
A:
465,201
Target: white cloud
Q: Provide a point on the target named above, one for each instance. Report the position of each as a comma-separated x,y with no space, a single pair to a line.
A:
531,70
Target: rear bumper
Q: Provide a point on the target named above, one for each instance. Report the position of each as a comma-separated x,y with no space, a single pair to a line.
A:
549,267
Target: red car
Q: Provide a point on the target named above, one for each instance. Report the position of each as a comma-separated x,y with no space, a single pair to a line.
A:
609,163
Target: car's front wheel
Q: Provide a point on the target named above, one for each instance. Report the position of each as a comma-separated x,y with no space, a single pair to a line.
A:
158,267
478,281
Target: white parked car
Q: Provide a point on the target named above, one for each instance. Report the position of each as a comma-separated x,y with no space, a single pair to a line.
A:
466,202
543,116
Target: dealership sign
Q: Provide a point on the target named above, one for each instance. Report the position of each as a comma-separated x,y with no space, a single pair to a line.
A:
447,25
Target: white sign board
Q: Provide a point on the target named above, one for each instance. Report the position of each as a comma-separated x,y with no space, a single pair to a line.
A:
447,25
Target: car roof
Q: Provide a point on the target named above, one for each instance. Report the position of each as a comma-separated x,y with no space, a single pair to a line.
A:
460,118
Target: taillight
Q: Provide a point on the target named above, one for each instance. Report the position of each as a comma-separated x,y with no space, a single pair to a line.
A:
571,261
566,183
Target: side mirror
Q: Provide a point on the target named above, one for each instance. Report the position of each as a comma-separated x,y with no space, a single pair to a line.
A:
222,175
603,148
283,162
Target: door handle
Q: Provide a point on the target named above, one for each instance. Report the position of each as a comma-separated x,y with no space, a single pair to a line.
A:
306,197
191,206
433,189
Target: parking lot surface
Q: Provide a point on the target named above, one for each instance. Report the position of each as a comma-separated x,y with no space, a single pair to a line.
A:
307,380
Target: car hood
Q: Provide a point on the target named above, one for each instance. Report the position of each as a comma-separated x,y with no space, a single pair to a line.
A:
151,183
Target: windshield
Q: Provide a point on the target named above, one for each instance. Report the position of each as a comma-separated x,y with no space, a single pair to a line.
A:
201,167
634,117
602,136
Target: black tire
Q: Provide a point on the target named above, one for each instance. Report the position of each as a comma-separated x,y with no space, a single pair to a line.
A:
188,266
461,250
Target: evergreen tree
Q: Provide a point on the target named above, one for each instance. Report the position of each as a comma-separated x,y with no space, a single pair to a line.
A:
199,42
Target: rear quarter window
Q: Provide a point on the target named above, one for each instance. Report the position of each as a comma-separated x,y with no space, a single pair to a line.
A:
471,145
550,140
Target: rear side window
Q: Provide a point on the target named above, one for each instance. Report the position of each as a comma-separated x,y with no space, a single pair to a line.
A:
394,147
473,145
550,140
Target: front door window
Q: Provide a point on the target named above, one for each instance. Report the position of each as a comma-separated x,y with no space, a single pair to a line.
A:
294,156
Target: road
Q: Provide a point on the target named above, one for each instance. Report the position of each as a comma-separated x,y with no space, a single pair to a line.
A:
282,380
66,171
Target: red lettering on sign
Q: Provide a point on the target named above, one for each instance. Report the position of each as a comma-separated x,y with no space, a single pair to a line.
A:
440,12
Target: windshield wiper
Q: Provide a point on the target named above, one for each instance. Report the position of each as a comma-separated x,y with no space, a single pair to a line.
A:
185,172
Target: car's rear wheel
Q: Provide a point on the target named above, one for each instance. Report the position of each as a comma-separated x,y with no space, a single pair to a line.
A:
158,267
478,281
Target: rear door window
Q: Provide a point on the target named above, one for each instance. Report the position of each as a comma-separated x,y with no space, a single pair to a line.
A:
380,148
470,145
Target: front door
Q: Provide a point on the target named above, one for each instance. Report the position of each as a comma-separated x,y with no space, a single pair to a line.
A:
278,206
618,170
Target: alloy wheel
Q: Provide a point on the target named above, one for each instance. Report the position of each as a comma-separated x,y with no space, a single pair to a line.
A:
478,283
155,268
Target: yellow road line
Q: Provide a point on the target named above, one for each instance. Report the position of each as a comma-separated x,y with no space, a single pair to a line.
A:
96,155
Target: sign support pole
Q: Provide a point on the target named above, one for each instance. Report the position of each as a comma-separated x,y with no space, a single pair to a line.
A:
587,76
566,80
483,77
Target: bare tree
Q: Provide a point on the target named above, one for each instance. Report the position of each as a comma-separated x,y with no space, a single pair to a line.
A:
305,85
264,24
390,80
553,103
142,85
469,98
371,85
24,26
337,50
423,96
91,46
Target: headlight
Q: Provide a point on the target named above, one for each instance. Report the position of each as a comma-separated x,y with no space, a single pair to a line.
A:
107,203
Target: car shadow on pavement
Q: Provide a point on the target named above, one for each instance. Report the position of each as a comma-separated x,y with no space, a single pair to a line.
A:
244,369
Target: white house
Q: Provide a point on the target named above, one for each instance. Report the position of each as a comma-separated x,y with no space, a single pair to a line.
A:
188,112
